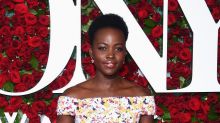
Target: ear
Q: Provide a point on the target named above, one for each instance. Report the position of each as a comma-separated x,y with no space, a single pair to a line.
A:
90,52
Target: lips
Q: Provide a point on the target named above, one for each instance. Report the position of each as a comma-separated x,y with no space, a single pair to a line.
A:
109,64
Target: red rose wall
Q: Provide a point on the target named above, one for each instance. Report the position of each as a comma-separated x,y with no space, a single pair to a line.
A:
24,48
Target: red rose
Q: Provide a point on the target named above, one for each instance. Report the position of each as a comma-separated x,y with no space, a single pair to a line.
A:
124,70
187,41
4,63
132,66
90,69
94,13
2,80
172,52
212,98
173,83
24,108
84,2
205,107
39,106
216,13
217,107
16,64
11,53
185,54
59,82
210,2
85,46
11,108
28,79
71,64
37,75
202,116
43,31
20,87
3,101
157,31
33,3
30,30
30,19
86,60
18,1
184,117
21,8
34,41
158,3
172,5
142,13
85,19
43,59
159,111
44,20
142,81
43,94
171,19
68,74
19,31
15,76
194,104
16,100
6,30
156,17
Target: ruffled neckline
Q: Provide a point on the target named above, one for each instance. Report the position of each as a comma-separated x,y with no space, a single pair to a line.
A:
109,97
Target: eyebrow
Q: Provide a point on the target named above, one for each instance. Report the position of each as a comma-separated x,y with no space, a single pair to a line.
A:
115,44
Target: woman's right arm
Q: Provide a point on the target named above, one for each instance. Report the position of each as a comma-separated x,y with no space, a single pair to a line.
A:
65,119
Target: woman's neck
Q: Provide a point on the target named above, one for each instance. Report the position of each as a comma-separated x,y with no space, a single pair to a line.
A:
106,82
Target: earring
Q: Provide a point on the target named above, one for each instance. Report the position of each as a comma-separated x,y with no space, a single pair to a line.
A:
92,60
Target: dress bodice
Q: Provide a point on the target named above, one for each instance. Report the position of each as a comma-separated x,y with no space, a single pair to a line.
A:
106,109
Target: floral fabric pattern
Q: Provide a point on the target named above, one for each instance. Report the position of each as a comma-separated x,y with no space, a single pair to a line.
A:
106,109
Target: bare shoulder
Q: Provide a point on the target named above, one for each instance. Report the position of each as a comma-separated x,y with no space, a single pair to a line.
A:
139,90
75,91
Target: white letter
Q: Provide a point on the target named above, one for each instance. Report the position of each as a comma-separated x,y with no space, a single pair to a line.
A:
65,34
10,119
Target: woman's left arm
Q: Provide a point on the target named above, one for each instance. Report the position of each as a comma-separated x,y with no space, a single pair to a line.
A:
147,119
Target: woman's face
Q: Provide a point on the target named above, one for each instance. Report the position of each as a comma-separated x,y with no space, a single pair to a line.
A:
108,51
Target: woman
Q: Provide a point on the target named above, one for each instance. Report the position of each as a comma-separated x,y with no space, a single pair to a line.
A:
107,97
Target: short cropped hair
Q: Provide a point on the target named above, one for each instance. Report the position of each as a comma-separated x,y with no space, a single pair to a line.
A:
107,20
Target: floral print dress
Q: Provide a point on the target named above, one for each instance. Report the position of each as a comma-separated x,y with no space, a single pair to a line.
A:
106,109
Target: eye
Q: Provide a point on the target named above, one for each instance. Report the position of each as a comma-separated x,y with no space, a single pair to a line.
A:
102,48
120,49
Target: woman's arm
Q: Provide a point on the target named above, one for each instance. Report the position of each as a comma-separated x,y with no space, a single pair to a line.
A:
65,119
147,119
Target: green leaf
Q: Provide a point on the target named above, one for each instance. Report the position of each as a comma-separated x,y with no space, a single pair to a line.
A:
147,30
2,116
133,1
182,81
8,86
34,12
22,72
194,119
86,27
212,115
18,117
40,12
34,62
166,116
149,23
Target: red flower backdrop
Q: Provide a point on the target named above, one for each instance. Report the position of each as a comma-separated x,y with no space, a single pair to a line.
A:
24,46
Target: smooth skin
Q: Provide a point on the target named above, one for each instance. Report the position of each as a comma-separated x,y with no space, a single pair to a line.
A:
109,46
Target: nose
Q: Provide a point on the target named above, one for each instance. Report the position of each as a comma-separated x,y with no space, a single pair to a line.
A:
110,54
